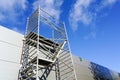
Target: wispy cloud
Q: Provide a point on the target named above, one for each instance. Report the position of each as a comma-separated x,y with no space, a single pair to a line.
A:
10,4
9,9
11,12
79,14
81,11
50,6
108,2
91,35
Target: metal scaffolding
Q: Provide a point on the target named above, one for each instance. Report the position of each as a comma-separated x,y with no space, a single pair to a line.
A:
45,52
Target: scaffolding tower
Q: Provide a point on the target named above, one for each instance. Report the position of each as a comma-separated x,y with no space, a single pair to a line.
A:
43,56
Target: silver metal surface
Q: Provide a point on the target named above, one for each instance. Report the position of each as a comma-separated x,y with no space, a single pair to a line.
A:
46,49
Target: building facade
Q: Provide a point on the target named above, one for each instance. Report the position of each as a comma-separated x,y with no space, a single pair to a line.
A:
86,70
11,44
10,53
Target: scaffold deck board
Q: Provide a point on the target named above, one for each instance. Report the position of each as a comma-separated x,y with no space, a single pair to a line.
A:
43,40
42,61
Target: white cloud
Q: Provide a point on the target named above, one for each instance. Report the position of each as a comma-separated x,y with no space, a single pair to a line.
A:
10,13
22,3
81,13
50,6
8,9
10,4
91,35
106,3
109,2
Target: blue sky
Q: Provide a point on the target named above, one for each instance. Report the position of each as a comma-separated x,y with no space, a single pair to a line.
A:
93,26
